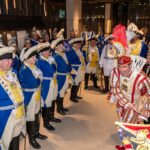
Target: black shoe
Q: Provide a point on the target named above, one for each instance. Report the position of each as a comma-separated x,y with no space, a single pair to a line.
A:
61,112
49,127
86,87
34,144
74,100
105,91
95,86
65,109
53,119
79,97
41,137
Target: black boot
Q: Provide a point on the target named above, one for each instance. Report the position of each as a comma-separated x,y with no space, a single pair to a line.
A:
106,80
59,106
52,110
73,94
14,145
45,116
37,128
78,87
31,134
86,80
62,105
95,81
91,77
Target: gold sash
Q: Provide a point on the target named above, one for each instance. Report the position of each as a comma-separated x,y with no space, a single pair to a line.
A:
38,94
14,91
55,81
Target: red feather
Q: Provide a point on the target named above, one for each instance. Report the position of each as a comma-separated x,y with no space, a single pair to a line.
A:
119,35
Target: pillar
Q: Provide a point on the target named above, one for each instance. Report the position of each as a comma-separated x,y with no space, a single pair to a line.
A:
73,16
108,19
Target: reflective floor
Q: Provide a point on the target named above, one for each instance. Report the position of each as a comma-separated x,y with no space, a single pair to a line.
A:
89,125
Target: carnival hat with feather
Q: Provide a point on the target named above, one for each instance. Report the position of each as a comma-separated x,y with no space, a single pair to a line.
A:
43,47
59,39
6,52
119,39
76,40
27,53
92,36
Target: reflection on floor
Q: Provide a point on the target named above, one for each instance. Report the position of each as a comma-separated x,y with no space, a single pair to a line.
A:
89,125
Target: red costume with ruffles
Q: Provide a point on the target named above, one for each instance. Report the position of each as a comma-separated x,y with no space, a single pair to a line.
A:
134,88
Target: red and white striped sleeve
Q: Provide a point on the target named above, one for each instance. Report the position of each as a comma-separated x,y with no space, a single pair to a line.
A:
144,86
144,89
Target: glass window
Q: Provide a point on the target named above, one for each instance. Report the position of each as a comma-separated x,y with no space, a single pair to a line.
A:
93,15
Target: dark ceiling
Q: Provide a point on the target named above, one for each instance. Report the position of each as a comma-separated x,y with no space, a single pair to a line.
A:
113,1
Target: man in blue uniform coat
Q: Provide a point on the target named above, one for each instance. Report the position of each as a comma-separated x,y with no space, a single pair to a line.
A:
76,60
63,72
30,78
11,103
49,84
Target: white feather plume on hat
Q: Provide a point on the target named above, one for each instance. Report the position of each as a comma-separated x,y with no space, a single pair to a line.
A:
60,33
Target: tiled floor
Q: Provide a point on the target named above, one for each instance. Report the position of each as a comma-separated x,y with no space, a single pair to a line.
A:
89,125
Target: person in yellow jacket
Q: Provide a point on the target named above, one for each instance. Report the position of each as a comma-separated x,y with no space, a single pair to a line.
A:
11,103
92,60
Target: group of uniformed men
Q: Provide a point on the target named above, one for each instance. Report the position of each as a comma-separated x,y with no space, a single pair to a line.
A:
41,79
36,80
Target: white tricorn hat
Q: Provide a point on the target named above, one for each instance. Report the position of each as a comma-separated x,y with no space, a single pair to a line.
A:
29,52
76,40
43,47
92,36
132,27
139,32
6,52
56,42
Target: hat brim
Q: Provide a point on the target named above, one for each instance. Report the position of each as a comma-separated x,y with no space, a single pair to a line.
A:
6,56
44,49
32,54
56,42
94,38
125,64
